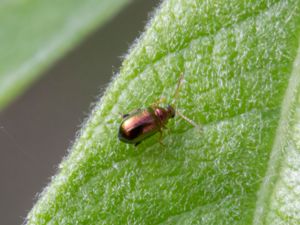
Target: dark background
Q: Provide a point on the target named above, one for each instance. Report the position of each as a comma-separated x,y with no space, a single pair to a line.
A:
37,129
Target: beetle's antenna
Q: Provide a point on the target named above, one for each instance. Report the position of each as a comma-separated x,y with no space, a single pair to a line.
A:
188,120
175,99
177,88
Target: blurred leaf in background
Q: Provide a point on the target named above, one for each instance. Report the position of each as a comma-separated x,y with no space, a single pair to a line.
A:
241,63
33,34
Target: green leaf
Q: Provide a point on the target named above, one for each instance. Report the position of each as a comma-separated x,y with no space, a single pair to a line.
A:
33,34
241,65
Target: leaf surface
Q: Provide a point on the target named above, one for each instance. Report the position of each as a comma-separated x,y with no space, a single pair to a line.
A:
240,61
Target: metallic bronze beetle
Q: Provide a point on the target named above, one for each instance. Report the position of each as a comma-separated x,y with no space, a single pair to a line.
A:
143,123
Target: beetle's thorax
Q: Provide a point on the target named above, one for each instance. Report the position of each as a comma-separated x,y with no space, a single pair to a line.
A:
164,114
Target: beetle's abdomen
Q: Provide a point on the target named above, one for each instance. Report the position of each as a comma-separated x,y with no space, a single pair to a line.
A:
137,127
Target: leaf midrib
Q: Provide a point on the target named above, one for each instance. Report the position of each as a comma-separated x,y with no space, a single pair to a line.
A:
281,138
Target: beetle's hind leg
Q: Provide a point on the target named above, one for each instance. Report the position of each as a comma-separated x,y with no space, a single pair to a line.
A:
160,139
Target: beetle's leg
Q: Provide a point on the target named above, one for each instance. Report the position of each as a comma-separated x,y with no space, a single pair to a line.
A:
136,144
164,126
160,139
125,115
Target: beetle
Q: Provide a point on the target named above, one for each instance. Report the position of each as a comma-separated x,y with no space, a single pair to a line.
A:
143,123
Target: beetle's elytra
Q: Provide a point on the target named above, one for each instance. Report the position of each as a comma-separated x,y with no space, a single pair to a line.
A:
143,123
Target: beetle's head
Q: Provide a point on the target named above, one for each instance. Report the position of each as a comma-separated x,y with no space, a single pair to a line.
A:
171,111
